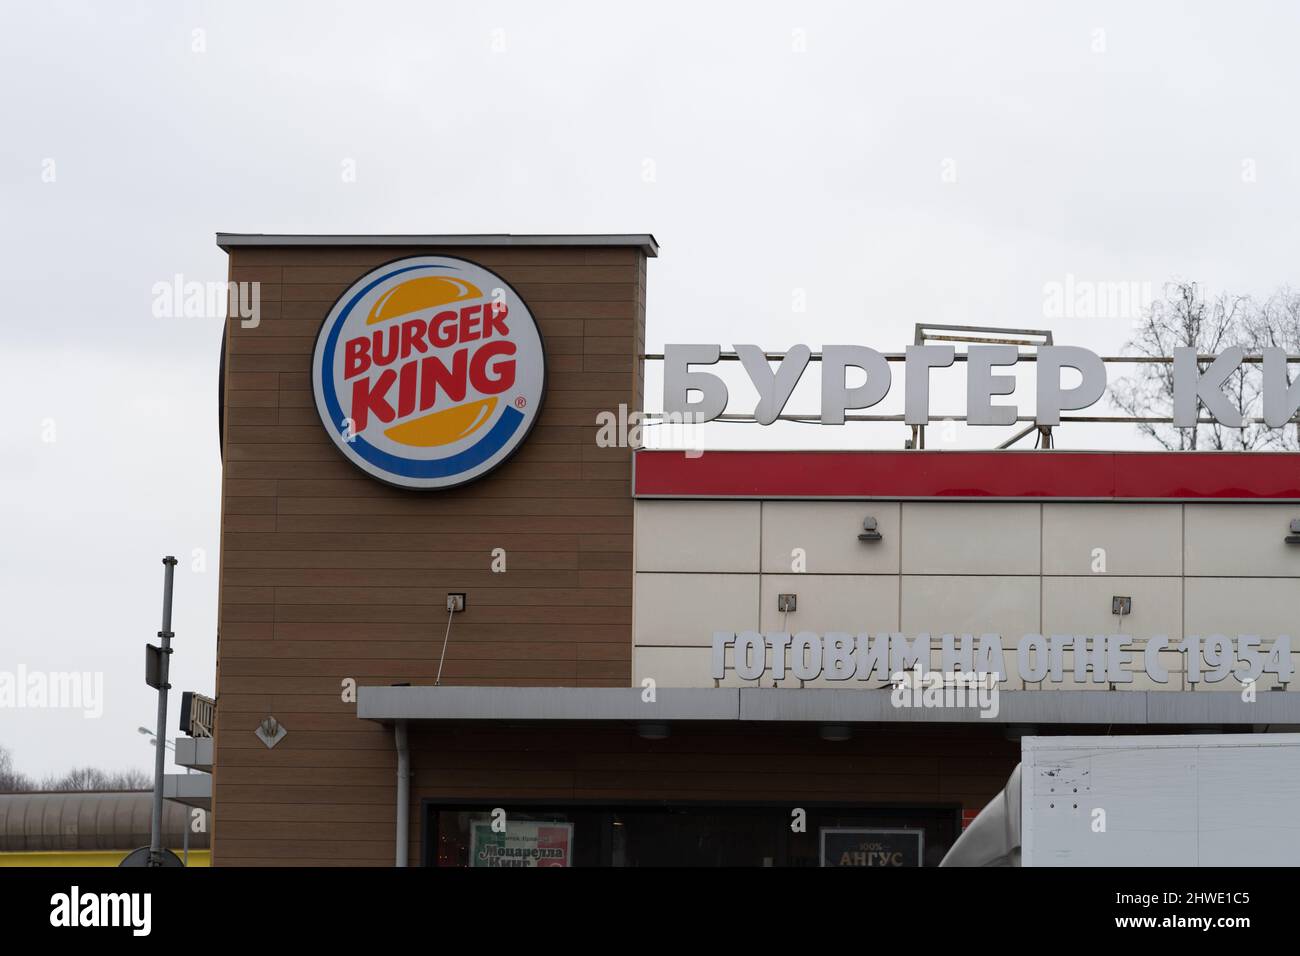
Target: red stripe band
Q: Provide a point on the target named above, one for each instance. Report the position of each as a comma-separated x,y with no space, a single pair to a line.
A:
1104,475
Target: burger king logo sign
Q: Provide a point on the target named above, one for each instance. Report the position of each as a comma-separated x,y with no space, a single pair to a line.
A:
429,372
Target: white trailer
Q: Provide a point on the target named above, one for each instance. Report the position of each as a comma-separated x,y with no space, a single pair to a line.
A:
1177,800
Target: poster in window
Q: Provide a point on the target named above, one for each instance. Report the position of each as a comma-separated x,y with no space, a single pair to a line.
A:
854,846
522,843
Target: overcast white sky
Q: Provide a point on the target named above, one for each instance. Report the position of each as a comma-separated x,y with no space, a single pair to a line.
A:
897,162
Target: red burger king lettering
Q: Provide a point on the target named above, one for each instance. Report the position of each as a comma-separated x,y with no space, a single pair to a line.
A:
421,380
429,371
444,330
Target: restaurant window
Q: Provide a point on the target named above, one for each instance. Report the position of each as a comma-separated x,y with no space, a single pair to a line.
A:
684,835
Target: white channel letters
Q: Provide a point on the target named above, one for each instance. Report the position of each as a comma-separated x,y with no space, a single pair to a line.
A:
1192,387
1097,659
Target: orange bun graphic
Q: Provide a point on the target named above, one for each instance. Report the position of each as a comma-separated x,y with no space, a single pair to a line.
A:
445,427
415,295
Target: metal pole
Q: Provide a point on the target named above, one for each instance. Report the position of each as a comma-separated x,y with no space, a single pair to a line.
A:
160,750
403,793
189,821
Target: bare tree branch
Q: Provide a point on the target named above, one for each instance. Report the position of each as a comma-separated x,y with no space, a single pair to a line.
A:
1184,319
78,779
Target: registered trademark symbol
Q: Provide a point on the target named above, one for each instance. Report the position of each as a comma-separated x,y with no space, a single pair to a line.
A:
520,402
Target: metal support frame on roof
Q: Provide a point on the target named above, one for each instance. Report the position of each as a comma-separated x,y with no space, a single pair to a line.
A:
980,334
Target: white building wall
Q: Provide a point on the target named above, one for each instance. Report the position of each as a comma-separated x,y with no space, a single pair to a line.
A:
1011,568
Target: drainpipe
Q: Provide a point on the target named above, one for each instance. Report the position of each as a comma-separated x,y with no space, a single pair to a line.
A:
403,792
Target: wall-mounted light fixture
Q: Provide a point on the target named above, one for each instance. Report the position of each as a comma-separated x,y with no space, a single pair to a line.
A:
786,603
1294,536
869,532
836,732
1121,605
652,730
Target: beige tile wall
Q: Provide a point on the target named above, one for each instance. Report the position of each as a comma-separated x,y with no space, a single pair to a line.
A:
958,567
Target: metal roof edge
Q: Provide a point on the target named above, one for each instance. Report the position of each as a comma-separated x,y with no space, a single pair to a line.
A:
644,241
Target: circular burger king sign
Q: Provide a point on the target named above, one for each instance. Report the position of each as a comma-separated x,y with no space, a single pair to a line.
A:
429,372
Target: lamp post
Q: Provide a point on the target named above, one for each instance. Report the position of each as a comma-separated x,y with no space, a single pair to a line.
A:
157,661
171,745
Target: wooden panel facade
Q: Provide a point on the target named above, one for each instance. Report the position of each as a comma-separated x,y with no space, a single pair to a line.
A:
327,574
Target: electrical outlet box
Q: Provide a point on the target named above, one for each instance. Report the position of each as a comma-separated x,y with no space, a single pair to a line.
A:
1121,605
786,602
456,602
